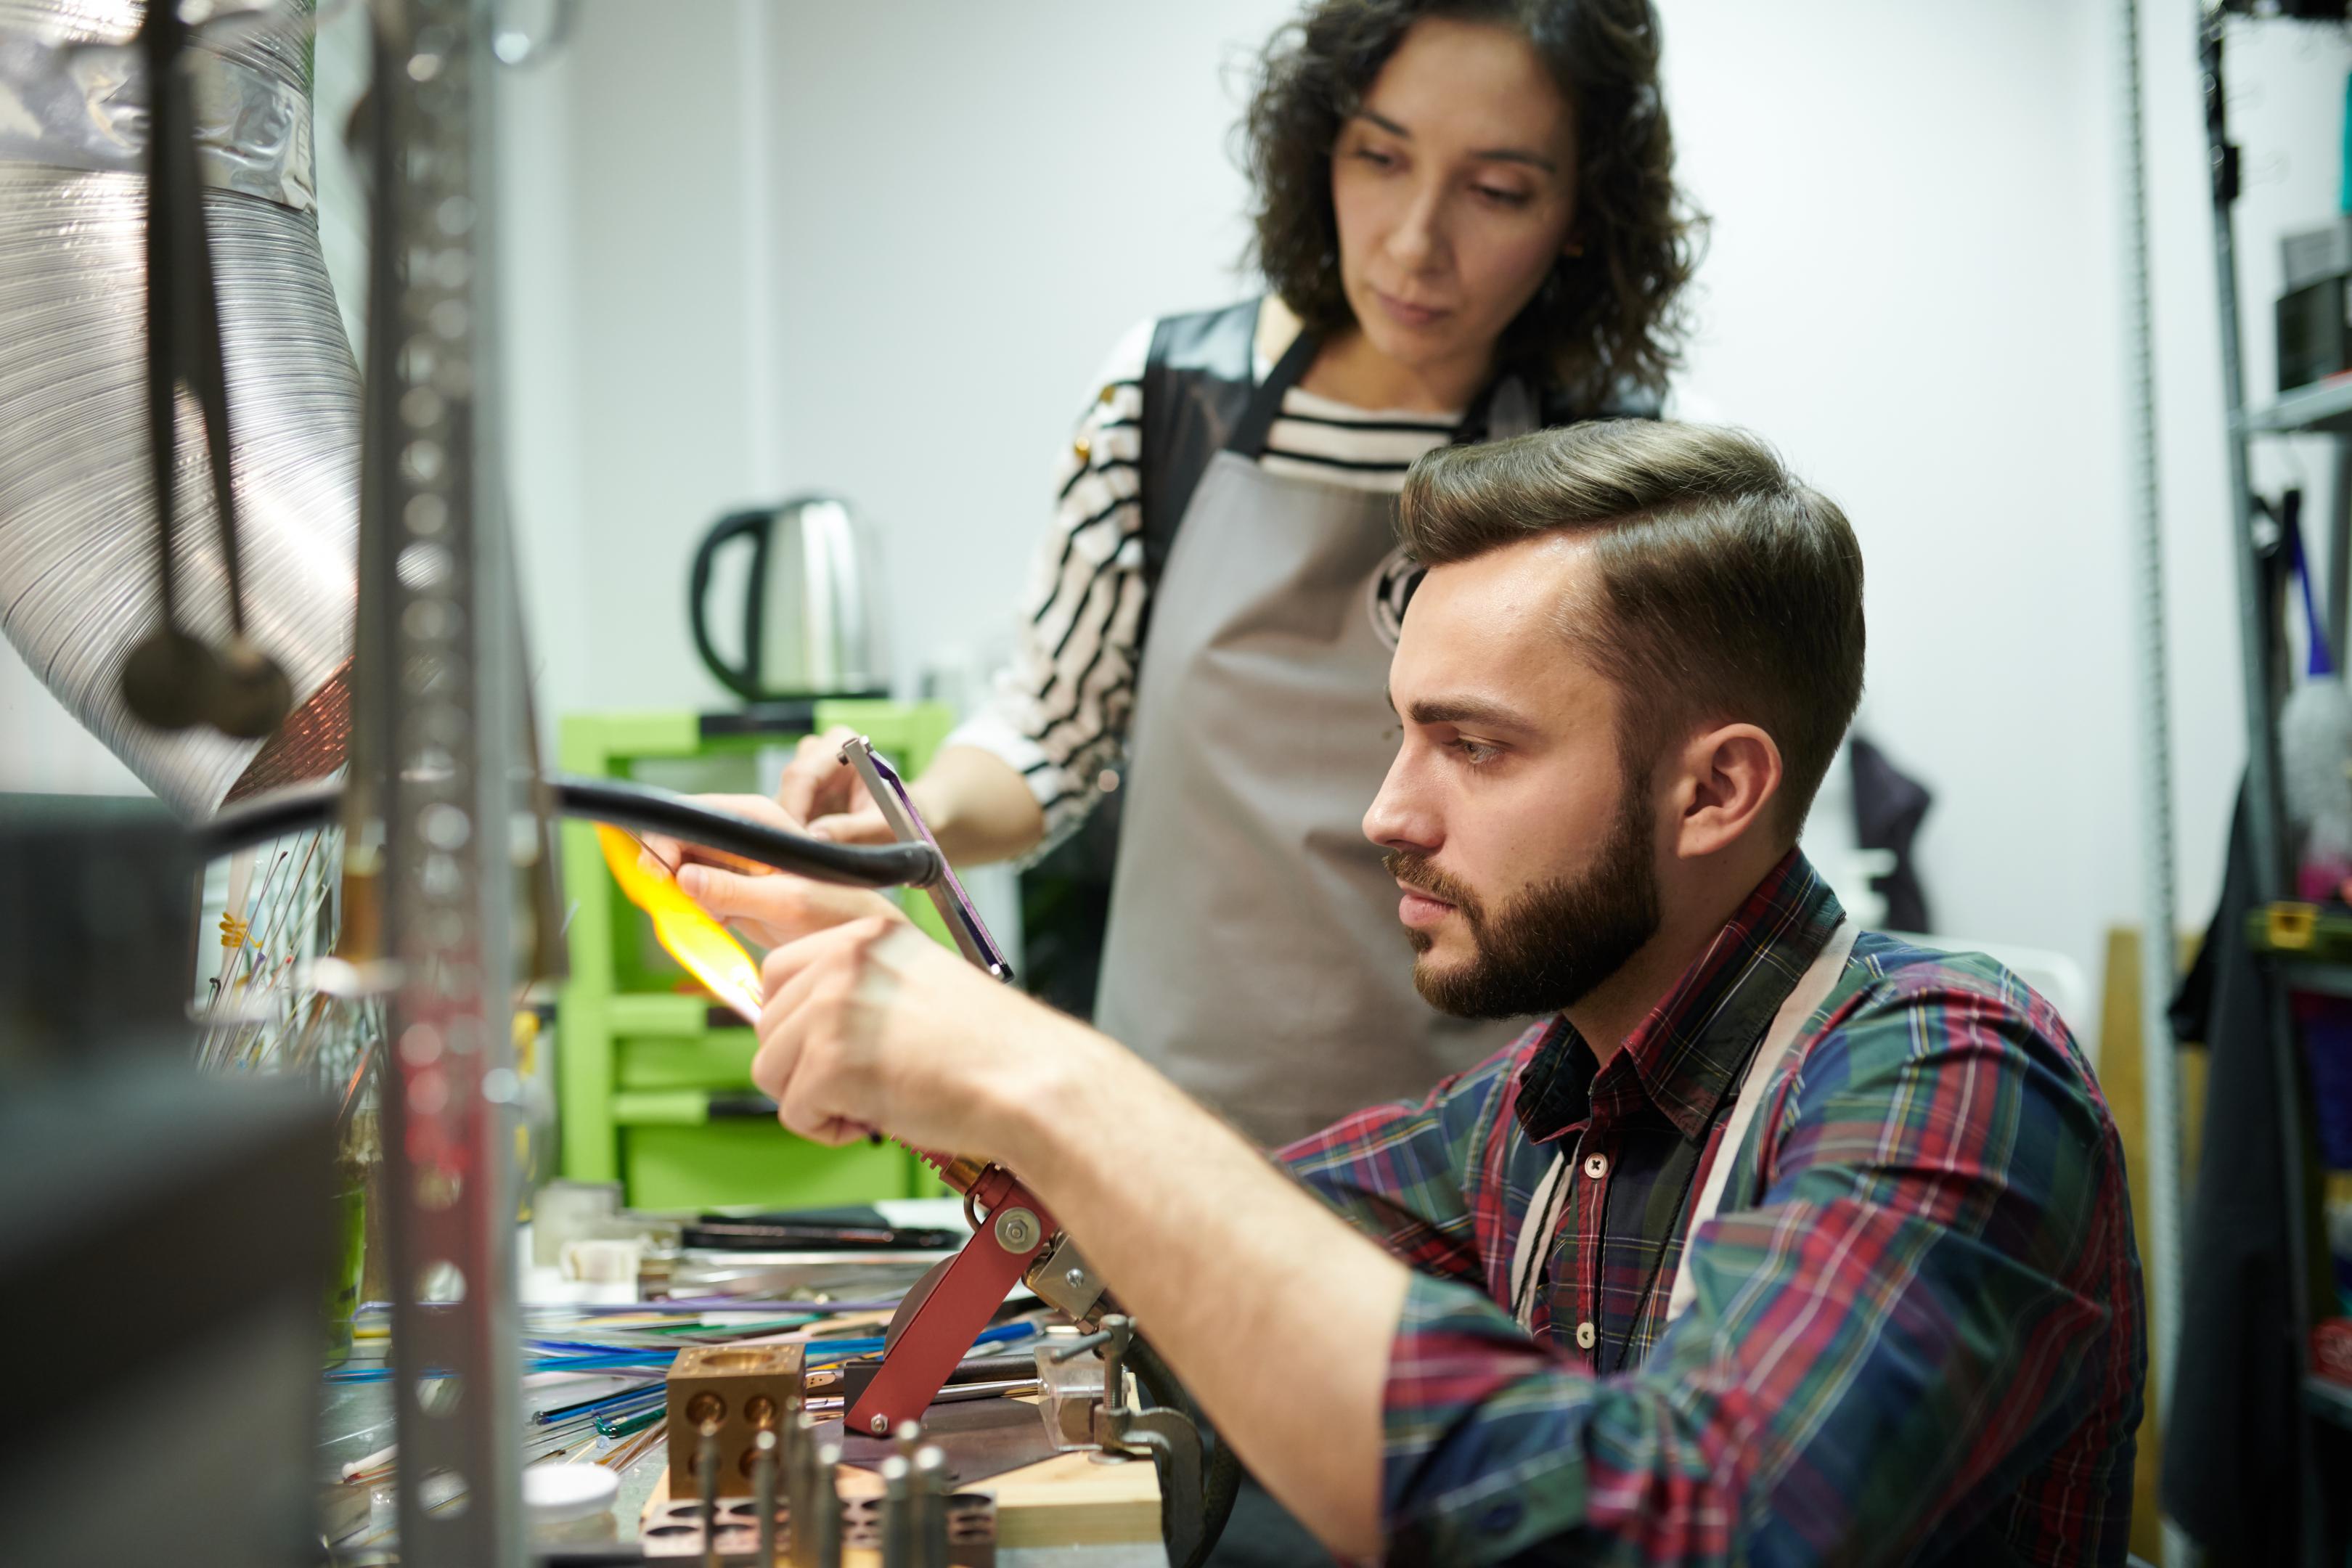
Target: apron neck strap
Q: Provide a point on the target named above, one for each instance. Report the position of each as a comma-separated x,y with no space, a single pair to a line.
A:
1505,408
1249,436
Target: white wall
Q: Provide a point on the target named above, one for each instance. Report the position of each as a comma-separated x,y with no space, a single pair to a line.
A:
755,249
967,208
1909,289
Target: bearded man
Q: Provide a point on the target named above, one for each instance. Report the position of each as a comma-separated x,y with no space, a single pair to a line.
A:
1771,1241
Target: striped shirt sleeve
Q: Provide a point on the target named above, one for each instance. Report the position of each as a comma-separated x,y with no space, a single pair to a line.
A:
1058,712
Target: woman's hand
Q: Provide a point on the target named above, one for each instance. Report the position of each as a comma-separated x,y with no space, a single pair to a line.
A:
774,908
977,805
821,790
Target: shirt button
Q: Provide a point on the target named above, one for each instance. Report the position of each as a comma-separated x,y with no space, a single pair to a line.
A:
1585,1335
1596,1166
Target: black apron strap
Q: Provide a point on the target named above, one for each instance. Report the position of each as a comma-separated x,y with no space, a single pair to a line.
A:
1249,436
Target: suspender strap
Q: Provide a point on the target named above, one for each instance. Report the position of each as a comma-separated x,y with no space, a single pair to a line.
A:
1535,1233
1541,1221
1813,988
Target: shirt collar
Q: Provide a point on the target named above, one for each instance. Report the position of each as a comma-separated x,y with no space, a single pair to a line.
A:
1685,1056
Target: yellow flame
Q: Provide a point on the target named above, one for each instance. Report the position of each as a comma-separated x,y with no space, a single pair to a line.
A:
684,927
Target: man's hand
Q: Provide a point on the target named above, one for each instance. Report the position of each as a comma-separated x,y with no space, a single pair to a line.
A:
771,910
873,1025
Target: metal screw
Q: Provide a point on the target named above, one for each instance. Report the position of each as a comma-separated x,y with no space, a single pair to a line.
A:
879,1426
1076,1277
1016,1230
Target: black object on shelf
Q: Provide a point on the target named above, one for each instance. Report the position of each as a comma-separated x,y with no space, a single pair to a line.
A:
816,1230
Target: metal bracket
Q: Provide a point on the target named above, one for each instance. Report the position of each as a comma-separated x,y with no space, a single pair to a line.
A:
1169,1436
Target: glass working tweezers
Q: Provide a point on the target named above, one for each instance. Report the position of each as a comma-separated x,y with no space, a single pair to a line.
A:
947,895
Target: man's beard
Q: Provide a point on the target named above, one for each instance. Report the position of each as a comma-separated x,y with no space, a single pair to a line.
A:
1547,948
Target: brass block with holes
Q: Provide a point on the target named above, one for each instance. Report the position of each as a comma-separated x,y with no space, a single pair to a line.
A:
739,1389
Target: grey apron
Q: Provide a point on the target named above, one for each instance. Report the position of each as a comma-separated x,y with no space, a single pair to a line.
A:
1254,953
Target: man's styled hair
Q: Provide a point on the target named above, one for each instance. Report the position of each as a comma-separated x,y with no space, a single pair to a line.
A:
1730,590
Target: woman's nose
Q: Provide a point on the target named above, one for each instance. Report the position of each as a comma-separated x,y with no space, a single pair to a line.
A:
1414,242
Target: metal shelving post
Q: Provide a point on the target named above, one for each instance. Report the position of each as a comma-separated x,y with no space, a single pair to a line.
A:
2159,1052
433,800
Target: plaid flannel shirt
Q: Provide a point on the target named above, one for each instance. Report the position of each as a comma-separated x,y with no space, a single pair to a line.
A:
1917,1327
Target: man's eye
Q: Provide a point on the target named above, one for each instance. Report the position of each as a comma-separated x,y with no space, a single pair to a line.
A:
1477,754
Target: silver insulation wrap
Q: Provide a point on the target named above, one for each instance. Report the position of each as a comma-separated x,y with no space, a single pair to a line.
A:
78,571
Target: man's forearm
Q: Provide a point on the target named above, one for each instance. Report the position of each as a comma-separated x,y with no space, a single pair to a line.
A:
1277,1316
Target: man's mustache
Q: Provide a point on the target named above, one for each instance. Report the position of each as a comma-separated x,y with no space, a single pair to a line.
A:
1412,868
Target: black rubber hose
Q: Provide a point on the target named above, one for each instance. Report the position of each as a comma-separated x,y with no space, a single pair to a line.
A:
617,801
1221,1472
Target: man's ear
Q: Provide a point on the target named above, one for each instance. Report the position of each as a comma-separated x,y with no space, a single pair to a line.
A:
1731,779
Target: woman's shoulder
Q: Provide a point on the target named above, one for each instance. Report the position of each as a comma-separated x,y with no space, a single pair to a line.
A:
1222,339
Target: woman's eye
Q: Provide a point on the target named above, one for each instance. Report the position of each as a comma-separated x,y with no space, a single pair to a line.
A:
1502,198
1376,158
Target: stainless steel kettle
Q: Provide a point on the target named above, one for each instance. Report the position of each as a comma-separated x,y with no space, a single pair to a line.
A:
811,621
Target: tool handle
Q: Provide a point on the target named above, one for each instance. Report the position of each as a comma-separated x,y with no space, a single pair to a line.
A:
625,804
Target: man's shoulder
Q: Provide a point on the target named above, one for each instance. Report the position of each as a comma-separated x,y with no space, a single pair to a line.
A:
1894,971
1913,999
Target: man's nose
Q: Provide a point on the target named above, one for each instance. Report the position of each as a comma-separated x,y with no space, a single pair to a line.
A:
1399,817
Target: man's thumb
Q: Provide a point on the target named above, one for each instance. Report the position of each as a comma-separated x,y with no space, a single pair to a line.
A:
708,887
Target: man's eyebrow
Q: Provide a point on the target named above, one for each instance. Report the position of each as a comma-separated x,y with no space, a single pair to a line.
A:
1487,156
1476,711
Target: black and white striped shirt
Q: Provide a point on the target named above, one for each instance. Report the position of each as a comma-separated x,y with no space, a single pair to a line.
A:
1058,712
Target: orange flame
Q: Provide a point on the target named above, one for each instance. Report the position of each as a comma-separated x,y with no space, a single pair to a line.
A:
684,927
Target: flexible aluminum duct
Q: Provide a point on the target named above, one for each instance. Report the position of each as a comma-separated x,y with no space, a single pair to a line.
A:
78,571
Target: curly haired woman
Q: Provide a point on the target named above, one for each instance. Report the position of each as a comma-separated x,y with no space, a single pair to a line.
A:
1468,225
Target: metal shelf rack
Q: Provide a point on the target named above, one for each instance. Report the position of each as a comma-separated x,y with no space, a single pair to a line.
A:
2301,961
2324,409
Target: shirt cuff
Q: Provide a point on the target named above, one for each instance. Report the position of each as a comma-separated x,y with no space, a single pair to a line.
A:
1063,798
988,731
1480,1428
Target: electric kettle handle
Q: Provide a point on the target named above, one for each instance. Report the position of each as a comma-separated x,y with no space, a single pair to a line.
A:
744,682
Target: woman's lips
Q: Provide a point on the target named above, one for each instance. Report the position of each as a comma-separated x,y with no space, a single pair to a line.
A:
1405,313
1419,910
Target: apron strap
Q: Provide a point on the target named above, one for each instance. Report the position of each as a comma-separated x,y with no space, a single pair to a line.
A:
1813,988
1535,1231
1249,436
1542,1217
1505,408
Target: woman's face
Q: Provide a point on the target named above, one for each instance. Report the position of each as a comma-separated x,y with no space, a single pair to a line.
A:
1454,186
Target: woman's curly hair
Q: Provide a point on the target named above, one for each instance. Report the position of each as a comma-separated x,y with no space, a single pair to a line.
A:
1607,316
